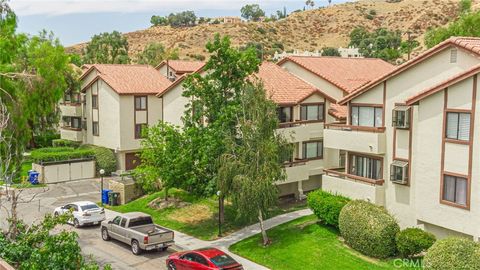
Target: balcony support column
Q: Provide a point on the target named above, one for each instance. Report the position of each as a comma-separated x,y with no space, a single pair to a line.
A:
300,195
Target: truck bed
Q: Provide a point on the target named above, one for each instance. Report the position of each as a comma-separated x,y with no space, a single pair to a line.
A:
150,229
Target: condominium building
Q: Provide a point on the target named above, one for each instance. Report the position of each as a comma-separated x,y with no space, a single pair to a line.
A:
411,142
116,102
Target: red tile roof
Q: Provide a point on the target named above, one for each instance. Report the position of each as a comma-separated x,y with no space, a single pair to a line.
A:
338,111
283,87
447,83
471,44
182,66
347,74
129,79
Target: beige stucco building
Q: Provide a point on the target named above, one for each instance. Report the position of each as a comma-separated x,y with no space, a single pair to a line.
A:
411,143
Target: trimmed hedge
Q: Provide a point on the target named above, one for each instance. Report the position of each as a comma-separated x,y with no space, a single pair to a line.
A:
104,158
65,143
368,228
326,206
413,241
453,253
49,154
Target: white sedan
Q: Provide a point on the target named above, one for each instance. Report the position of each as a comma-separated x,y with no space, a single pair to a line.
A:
84,213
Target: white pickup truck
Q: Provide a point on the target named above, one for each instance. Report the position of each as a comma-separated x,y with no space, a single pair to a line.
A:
138,230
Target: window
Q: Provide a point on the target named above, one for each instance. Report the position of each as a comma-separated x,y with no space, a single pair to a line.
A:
76,122
140,103
365,167
458,126
312,112
366,116
94,101
123,223
313,150
401,117
116,220
139,130
399,172
455,189
285,114
95,130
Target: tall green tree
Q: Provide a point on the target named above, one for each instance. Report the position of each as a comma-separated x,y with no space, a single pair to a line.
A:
166,161
107,48
211,115
158,20
330,51
252,12
34,73
466,25
252,166
155,53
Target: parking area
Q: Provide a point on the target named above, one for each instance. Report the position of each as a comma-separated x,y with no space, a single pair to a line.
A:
36,202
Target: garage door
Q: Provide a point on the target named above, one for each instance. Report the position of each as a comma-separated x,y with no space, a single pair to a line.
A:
131,161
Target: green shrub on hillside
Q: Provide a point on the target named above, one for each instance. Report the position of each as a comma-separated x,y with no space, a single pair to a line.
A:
104,158
413,241
368,228
453,253
326,206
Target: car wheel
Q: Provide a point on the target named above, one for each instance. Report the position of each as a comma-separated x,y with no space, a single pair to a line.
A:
55,214
171,266
163,249
105,235
136,248
76,224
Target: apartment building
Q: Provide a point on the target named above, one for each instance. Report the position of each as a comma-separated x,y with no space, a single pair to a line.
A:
303,110
411,142
174,69
115,104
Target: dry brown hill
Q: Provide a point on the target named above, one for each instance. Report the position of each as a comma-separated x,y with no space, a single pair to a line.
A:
308,30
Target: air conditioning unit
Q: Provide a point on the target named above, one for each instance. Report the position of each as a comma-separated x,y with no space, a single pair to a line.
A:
399,172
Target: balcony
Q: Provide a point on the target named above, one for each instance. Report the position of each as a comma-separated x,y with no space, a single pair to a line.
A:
352,186
296,171
71,109
72,134
369,140
300,131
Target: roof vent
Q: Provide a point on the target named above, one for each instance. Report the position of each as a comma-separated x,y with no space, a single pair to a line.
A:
453,55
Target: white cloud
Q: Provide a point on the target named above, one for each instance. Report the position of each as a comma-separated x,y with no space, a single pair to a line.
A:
62,7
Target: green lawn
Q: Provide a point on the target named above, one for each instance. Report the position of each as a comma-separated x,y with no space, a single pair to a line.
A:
199,219
305,244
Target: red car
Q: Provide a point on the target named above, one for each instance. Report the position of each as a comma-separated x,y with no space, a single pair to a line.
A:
202,259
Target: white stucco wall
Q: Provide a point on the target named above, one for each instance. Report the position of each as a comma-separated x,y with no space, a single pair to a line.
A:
174,105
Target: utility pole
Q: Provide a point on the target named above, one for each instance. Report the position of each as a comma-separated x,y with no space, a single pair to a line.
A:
409,38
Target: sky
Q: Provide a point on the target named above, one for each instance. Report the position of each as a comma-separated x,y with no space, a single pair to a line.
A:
75,21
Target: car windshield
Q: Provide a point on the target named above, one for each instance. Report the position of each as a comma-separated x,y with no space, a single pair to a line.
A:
89,207
134,222
222,260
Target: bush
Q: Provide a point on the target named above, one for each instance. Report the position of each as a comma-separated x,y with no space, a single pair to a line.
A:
65,143
368,228
413,241
49,154
453,253
104,158
45,140
326,206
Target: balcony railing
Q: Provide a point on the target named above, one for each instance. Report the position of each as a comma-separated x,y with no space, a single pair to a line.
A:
298,123
345,127
296,162
340,173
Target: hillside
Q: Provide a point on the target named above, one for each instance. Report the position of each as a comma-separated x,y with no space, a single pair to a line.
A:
307,30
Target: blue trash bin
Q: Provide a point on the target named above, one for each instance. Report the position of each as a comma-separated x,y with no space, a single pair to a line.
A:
33,177
105,195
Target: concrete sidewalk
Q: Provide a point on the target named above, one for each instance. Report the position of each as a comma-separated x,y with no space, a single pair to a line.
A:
187,242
